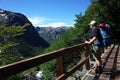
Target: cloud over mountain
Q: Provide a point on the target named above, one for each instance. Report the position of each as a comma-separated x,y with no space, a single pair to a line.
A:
46,22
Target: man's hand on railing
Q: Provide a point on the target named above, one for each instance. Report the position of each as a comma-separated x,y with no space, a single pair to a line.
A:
87,42
91,40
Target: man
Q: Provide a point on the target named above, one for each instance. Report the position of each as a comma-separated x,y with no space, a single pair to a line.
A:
96,40
106,35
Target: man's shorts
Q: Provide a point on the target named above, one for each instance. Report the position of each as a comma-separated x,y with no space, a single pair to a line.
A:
97,43
97,51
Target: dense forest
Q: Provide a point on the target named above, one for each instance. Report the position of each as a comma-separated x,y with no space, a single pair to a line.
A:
99,10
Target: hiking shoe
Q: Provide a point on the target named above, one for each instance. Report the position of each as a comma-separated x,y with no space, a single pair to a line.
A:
98,69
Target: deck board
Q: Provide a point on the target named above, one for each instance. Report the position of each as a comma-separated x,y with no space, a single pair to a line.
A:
111,66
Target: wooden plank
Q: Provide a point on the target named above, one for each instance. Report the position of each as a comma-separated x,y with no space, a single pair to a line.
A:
60,65
111,63
111,59
87,53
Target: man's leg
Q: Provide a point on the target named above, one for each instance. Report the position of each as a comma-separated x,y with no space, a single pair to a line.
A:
97,57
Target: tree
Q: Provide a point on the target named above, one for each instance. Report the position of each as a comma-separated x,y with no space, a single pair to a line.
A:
7,36
8,42
108,11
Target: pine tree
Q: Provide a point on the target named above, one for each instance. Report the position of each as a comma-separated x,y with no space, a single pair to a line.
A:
8,41
8,35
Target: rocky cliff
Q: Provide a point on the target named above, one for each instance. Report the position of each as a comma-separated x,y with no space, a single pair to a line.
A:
31,36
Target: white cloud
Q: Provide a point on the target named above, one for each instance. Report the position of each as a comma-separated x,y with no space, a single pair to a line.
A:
57,24
44,22
36,21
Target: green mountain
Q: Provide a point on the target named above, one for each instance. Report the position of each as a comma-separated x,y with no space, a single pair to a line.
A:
29,42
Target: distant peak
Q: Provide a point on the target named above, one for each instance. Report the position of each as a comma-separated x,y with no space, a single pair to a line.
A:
1,10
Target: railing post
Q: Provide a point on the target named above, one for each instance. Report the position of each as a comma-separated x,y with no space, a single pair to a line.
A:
60,65
87,53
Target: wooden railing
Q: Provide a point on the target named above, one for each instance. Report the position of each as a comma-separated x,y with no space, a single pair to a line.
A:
14,68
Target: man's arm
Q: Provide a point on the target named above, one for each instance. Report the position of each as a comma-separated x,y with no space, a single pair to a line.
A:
91,40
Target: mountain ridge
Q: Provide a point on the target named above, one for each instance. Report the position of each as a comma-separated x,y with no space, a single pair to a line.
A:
51,34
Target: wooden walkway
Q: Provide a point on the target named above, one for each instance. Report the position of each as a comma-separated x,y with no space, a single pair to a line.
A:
110,66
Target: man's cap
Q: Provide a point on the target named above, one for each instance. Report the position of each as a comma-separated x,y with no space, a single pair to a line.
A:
92,22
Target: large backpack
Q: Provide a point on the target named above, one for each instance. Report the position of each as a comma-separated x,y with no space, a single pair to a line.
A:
106,35
105,32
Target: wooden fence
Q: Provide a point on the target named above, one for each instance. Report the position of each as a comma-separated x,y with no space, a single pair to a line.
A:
20,66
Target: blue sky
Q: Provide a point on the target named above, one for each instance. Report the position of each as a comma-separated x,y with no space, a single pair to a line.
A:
47,12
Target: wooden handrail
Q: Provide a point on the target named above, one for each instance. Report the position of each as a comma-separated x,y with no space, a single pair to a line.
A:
14,68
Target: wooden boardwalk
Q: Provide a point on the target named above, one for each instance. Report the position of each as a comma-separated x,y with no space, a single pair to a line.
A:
110,66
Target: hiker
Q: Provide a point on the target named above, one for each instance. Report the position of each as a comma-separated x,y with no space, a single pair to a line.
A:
106,34
96,40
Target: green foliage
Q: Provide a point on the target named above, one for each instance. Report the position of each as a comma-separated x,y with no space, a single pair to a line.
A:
24,49
49,69
17,77
7,36
108,11
8,58
8,42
